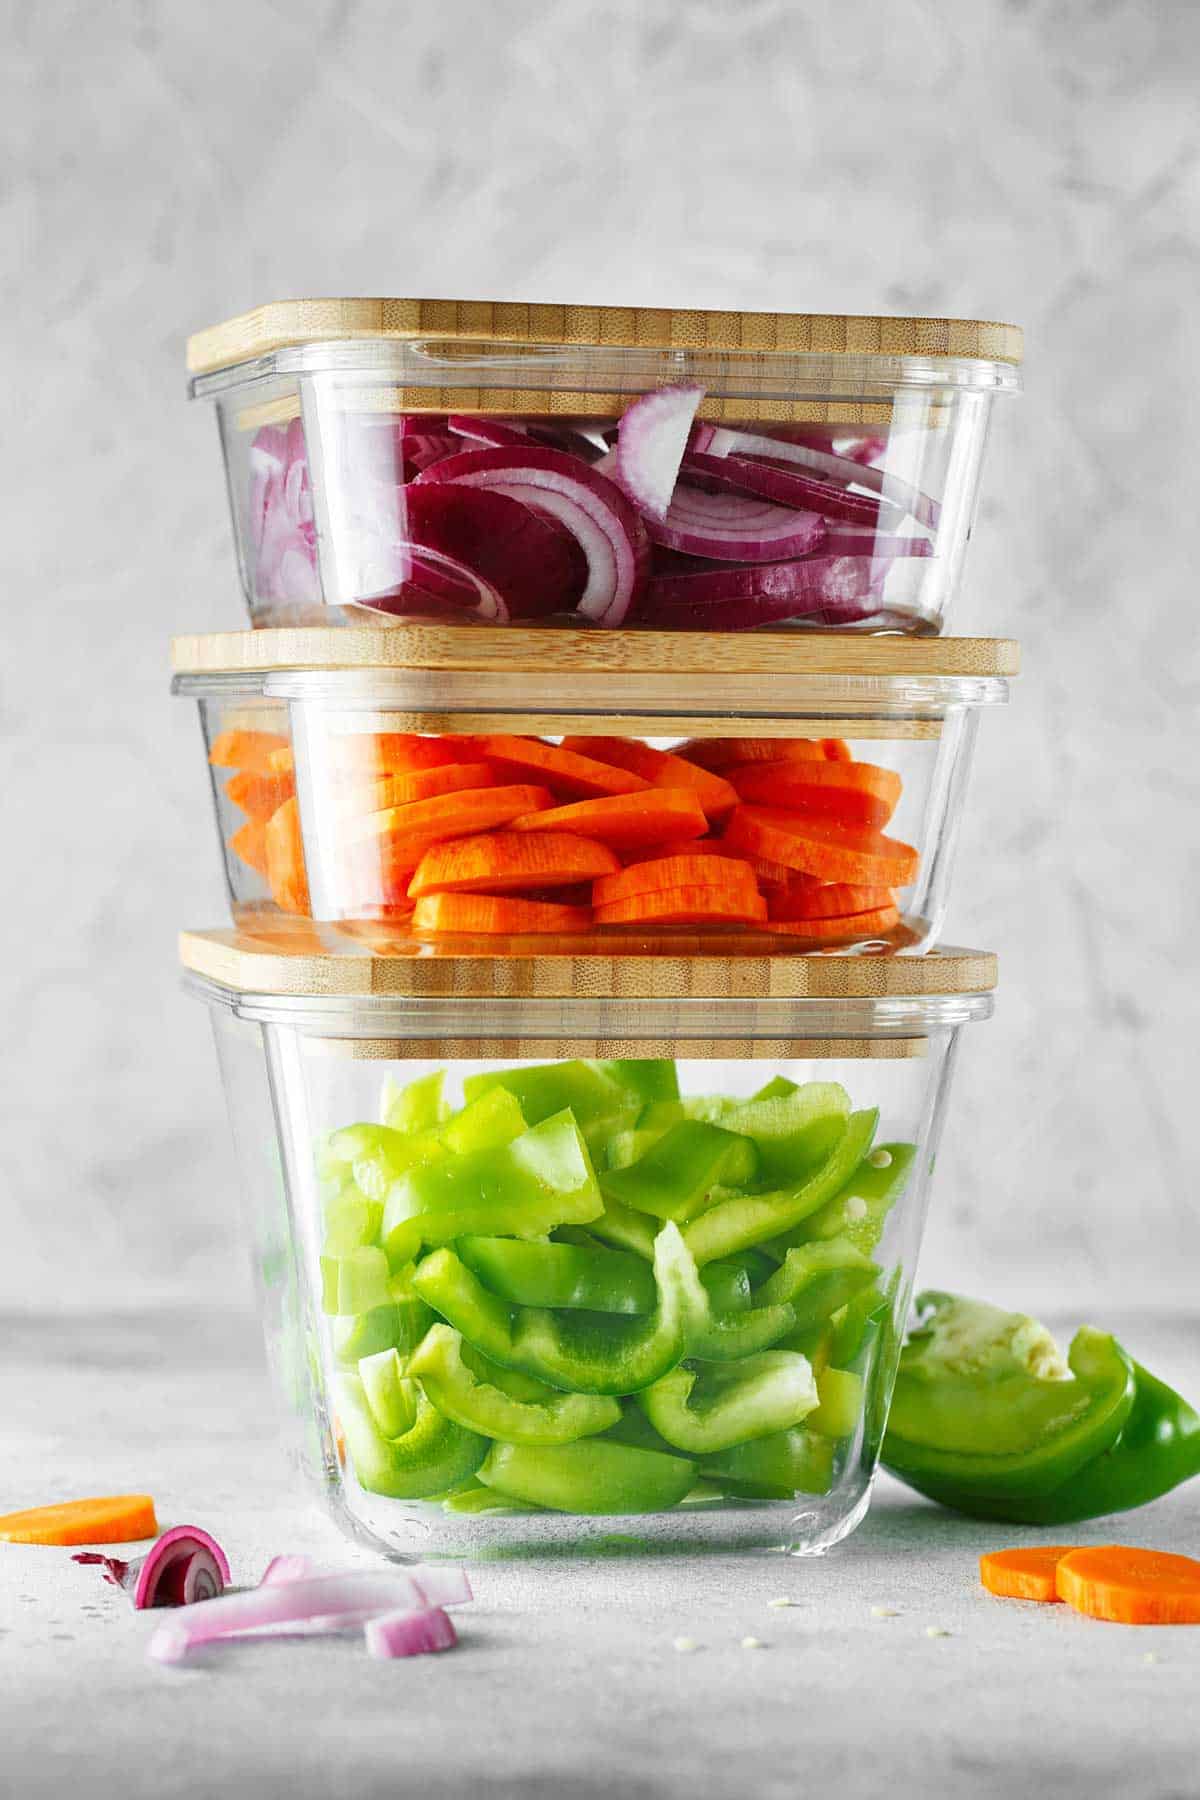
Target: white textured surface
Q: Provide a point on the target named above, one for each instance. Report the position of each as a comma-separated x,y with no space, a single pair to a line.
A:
166,166
566,1683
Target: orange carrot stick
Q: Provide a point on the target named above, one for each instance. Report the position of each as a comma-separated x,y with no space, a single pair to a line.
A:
113,1519
484,913
660,768
853,925
451,815
685,906
564,771
1026,1574
285,860
1129,1586
857,793
503,862
624,821
249,842
733,878
250,750
821,847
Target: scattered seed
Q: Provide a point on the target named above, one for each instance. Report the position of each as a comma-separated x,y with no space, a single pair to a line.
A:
1151,1656
855,1209
936,1631
885,1612
685,1643
880,1159
753,1643
781,1601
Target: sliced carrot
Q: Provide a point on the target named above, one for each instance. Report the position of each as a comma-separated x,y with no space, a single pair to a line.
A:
826,900
725,754
249,842
250,750
437,913
821,847
395,752
625,820
853,925
770,874
660,768
113,1519
259,795
285,860
418,784
563,771
452,815
505,862
857,793
733,878
685,906
1027,1574
1130,1586
282,762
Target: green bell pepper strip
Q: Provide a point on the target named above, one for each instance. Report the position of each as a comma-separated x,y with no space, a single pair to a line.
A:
419,1106
730,1335
626,1229
392,1399
351,1222
651,1077
840,1393
593,1279
432,1455
778,1088
376,1154
815,1280
521,1189
676,1176
554,1418
583,1353
776,1466
748,1219
488,1123
982,1400
399,1325
859,1212
712,1408
600,1100
794,1132
476,1501
594,1475
354,1282
854,1327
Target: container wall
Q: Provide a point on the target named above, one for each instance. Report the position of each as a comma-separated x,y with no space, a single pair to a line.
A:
586,841
554,1300
806,509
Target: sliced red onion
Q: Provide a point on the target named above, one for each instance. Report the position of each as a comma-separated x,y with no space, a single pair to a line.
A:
737,599
185,1565
414,1633
785,486
497,432
604,524
822,462
288,1568
734,527
333,1602
857,444
651,439
851,540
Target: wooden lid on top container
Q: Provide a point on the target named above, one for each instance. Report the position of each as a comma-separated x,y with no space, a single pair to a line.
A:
284,324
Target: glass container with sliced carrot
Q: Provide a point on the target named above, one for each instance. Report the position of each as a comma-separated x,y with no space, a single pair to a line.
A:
718,800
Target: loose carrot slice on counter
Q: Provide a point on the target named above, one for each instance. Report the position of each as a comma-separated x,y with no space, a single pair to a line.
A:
728,753
250,750
418,784
249,842
731,877
858,793
853,925
821,847
451,815
1129,1586
1027,1574
685,906
113,1519
259,795
501,862
826,900
661,768
487,913
563,771
285,860
625,820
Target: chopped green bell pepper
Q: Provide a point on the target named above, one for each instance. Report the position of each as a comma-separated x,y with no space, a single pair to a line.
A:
601,1100
859,1212
840,1392
794,1132
355,1281
419,1106
594,1475
552,1418
585,1353
776,1466
474,1501
488,1123
718,1405
351,1222
729,1335
567,1275
651,1077
748,1219
815,1280
983,1401
627,1229
675,1178
392,1399
432,1455
524,1188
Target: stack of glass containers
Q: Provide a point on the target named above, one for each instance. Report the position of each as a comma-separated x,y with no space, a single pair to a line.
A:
585,1023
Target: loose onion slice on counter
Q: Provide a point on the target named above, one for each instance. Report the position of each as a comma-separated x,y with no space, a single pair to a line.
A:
185,1566
414,1633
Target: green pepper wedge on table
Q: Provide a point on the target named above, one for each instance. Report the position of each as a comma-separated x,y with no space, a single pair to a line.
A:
581,1353
1154,1447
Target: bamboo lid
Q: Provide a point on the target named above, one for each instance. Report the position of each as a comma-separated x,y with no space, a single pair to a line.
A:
296,963
284,323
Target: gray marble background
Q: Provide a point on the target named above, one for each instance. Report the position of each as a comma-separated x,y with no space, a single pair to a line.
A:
165,166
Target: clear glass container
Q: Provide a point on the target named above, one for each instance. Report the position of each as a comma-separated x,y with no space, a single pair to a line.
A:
543,800
801,470
546,1266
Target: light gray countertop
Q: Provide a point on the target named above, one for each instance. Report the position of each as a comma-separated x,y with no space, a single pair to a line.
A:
566,1682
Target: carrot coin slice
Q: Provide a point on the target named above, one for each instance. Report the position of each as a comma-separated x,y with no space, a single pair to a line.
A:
112,1519
821,847
732,878
450,815
1027,1574
250,750
1129,1586
826,900
625,821
728,753
854,925
419,784
661,768
259,795
285,860
564,772
249,842
858,793
485,913
685,906
500,862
